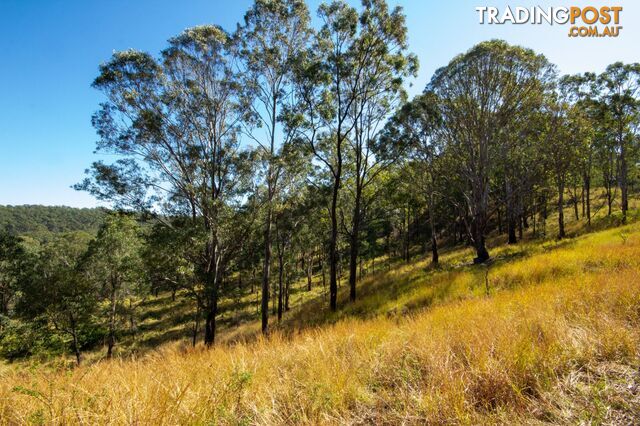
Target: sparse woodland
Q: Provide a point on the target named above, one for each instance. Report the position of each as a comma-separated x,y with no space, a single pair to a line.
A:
278,175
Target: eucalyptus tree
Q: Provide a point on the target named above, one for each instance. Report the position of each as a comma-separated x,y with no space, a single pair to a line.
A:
564,130
288,212
115,265
273,35
584,116
58,290
289,217
382,39
175,123
327,90
618,90
517,170
481,93
416,125
331,78
170,253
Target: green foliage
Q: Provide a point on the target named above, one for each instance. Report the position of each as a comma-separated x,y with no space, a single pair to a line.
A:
39,220
21,339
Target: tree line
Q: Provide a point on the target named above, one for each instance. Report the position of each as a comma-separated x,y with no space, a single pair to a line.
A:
284,150
37,220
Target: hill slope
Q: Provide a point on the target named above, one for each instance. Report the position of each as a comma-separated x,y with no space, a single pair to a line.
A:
556,339
35,219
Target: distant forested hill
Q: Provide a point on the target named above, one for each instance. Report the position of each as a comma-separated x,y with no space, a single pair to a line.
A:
35,219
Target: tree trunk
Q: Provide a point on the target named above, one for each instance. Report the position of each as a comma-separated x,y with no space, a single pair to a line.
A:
266,271
608,177
545,214
211,282
511,226
407,236
479,243
74,342
575,202
196,325
286,292
280,281
561,233
112,317
434,238
623,177
309,268
511,217
587,196
354,246
520,226
333,246
210,326
482,255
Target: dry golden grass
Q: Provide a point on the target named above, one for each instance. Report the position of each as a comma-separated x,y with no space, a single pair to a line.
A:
556,341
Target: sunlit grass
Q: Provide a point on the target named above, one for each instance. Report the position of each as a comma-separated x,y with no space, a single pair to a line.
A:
560,324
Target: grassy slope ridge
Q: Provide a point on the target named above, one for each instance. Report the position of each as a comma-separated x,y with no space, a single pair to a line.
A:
557,340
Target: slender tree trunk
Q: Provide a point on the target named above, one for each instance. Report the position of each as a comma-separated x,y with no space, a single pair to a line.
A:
253,279
520,226
280,280
274,299
534,210
196,325
434,236
575,202
286,292
511,217
74,342
405,226
132,319
624,188
309,268
354,245
211,282
587,195
112,317
545,214
333,242
76,348
266,271
434,242
561,233
608,175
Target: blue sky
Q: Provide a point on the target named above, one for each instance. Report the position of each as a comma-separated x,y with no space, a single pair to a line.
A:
51,50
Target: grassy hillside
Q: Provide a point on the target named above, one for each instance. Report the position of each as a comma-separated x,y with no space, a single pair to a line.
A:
34,219
548,333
